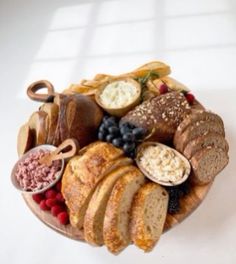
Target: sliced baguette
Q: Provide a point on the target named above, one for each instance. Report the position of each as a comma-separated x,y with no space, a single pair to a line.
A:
25,139
210,139
194,117
197,129
38,123
94,217
116,222
207,163
148,215
52,110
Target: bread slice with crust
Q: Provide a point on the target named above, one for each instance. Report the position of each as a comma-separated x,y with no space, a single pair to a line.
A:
117,216
207,163
84,173
148,215
194,117
210,139
94,217
197,129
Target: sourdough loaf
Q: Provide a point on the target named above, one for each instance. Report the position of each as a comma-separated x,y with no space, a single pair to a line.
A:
207,163
94,217
160,115
208,140
148,215
117,216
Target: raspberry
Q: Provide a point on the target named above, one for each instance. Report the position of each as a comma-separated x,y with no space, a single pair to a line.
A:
59,197
58,186
50,194
63,218
190,98
51,202
43,205
38,197
163,89
56,209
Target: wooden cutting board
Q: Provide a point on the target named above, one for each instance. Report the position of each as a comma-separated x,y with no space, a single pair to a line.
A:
188,204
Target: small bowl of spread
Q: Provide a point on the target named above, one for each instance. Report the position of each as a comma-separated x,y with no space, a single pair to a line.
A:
119,96
29,175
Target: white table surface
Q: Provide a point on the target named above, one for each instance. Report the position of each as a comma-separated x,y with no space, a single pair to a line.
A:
64,41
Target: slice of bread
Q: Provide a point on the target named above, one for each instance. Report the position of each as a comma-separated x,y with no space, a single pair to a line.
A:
94,217
207,163
84,172
194,117
25,139
117,216
197,129
210,139
148,215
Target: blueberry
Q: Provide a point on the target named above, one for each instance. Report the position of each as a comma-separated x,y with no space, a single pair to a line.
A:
114,130
111,121
103,128
128,147
101,136
128,137
109,138
124,128
117,142
138,132
105,118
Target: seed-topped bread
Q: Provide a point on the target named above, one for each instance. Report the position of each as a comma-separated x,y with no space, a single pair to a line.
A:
117,216
207,163
148,215
160,115
199,128
194,117
94,217
208,140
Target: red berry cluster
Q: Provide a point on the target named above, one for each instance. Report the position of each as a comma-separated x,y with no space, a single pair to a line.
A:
52,200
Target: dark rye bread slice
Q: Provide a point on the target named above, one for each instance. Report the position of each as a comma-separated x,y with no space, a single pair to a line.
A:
208,140
148,215
160,116
207,163
199,128
193,117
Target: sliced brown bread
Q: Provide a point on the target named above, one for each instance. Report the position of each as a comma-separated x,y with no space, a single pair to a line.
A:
194,117
207,163
210,139
197,129
148,215
94,217
117,216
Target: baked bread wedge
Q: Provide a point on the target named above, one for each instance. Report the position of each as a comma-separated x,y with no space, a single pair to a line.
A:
207,163
85,171
117,216
208,140
25,139
148,215
194,117
38,124
197,129
94,217
52,110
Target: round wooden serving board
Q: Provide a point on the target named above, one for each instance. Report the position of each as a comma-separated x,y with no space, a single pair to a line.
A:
188,204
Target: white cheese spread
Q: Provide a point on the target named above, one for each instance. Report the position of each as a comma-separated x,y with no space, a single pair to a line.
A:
118,94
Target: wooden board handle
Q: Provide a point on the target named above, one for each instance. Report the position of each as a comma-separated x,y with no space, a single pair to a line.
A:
36,86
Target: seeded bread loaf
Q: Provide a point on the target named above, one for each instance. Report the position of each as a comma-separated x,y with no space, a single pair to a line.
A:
197,129
160,115
207,163
194,117
208,140
83,173
117,216
148,215
94,217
